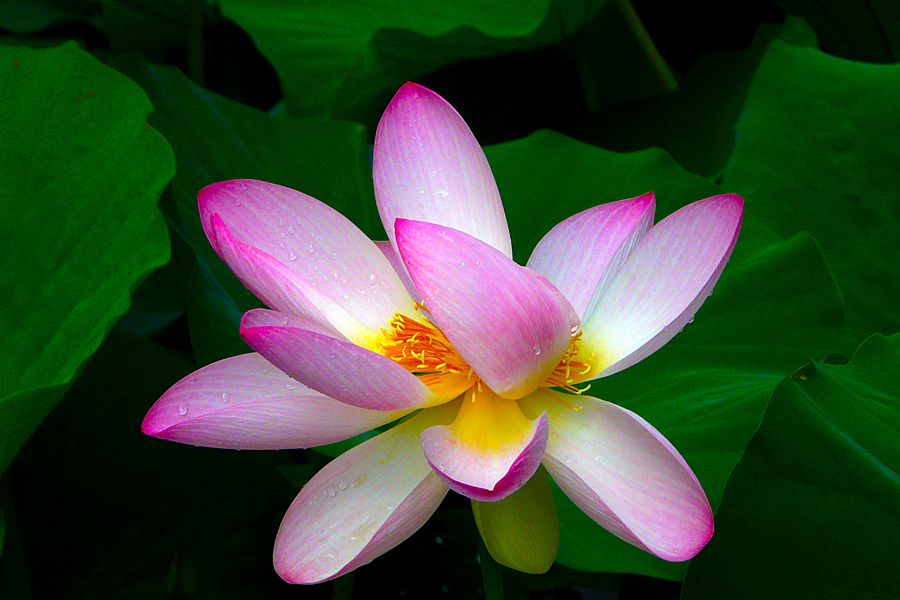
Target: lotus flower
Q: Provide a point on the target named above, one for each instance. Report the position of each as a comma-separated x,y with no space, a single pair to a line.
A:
478,359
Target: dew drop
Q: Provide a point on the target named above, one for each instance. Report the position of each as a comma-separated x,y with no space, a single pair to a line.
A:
331,492
342,484
182,409
243,186
226,397
442,193
292,256
310,248
266,369
372,278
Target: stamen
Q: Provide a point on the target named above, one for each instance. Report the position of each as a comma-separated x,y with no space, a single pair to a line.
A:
561,376
424,350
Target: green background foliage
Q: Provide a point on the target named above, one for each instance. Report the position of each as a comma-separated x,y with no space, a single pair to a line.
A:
783,395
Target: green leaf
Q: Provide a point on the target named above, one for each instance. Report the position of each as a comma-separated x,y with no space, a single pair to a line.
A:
864,30
818,151
216,139
335,58
82,172
697,122
813,509
775,306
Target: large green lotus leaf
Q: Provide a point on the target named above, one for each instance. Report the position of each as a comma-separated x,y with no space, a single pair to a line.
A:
867,30
334,57
818,150
775,306
696,124
216,139
813,508
82,172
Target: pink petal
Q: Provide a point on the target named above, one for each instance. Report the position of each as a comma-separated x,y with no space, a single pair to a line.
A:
391,254
429,167
244,402
337,368
625,475
662,284
489,451
323,249
359,506
576,254
507,321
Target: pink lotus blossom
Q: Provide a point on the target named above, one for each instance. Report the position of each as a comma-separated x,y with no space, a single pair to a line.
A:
479,358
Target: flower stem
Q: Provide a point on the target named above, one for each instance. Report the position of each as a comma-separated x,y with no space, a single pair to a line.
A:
491,573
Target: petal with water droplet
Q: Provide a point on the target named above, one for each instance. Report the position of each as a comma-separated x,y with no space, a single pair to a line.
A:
265,410
390,492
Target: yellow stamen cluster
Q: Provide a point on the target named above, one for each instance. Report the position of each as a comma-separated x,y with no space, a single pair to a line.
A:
561,376
424,350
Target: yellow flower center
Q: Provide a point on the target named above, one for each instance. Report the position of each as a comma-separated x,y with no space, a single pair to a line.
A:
423,350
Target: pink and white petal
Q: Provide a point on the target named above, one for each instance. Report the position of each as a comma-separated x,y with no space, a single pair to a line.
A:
359,506
490,450
429,167
391,254
521,531
625,475
509,323
321,246
575,255
244,402
281,288
338,368
662,284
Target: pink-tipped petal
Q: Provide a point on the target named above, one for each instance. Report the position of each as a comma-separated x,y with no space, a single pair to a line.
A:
662,284
576,254
490,450
312,240
429,167
244,402
625,475
337,368
397,263
359,506
508,322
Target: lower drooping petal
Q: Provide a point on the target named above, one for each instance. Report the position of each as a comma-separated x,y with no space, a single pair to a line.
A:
662,284
522,530
336,367
625,475
508,322
244,402
490,450
360,505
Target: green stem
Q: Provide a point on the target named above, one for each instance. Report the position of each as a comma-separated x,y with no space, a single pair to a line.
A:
491,573
647,45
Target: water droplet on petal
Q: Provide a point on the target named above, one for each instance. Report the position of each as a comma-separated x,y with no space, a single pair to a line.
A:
372,278
243,186
310,248
292,256
342,484
182,409
225,397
